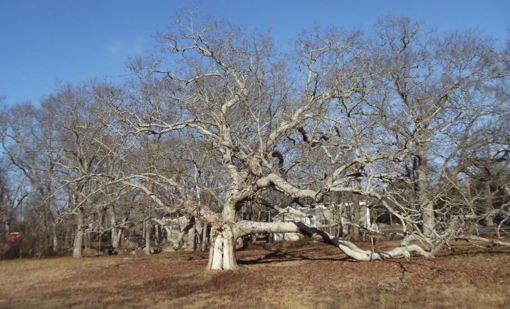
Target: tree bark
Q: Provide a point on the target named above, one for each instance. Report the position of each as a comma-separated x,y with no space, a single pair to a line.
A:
55,239
425,204
148,229
488,205
78,239
356,209
203,243
190,241
199,231
222,252
157,234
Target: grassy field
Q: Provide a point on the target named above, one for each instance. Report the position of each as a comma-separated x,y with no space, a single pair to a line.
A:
299,275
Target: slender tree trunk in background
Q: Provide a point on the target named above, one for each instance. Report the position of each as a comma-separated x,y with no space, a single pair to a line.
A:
116,233
490,220
65,243
78,239
86,238
198,235
156,234
356,209
203,243
190,239
148,228
55,239
118,239
168,235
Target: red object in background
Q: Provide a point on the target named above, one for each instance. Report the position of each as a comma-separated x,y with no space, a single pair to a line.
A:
15,238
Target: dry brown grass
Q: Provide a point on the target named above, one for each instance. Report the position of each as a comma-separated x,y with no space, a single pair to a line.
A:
296,276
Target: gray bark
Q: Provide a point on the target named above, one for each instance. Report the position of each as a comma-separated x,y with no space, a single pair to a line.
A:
489,207
78,239
148,228
55,238
222,252
190,242
424,191
356,209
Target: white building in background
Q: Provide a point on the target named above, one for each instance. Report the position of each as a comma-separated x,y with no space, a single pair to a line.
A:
292,217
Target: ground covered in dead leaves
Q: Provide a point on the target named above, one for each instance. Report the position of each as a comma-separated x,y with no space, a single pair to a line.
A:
299,275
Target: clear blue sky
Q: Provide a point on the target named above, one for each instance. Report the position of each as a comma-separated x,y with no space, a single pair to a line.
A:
46,42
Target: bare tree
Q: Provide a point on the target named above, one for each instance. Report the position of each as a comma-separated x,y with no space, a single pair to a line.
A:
28,140
265,118
434,94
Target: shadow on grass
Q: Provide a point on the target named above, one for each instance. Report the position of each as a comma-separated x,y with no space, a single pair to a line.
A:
482,251
280,256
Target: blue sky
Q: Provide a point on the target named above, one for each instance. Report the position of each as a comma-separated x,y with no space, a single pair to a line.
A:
47,42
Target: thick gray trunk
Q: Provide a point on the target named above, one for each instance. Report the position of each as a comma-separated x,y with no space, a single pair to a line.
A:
222,252
426,205
356,209
78,239
424,191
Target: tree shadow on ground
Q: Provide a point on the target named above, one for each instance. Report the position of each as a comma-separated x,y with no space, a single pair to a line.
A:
280,256
488,251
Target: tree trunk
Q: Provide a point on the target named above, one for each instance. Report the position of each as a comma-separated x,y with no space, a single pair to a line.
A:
157,234
190,241
203,242
222,251
147,229
78,239
488,205
356,210
55,239
117,238
66,242
426,205
116,233
199,230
